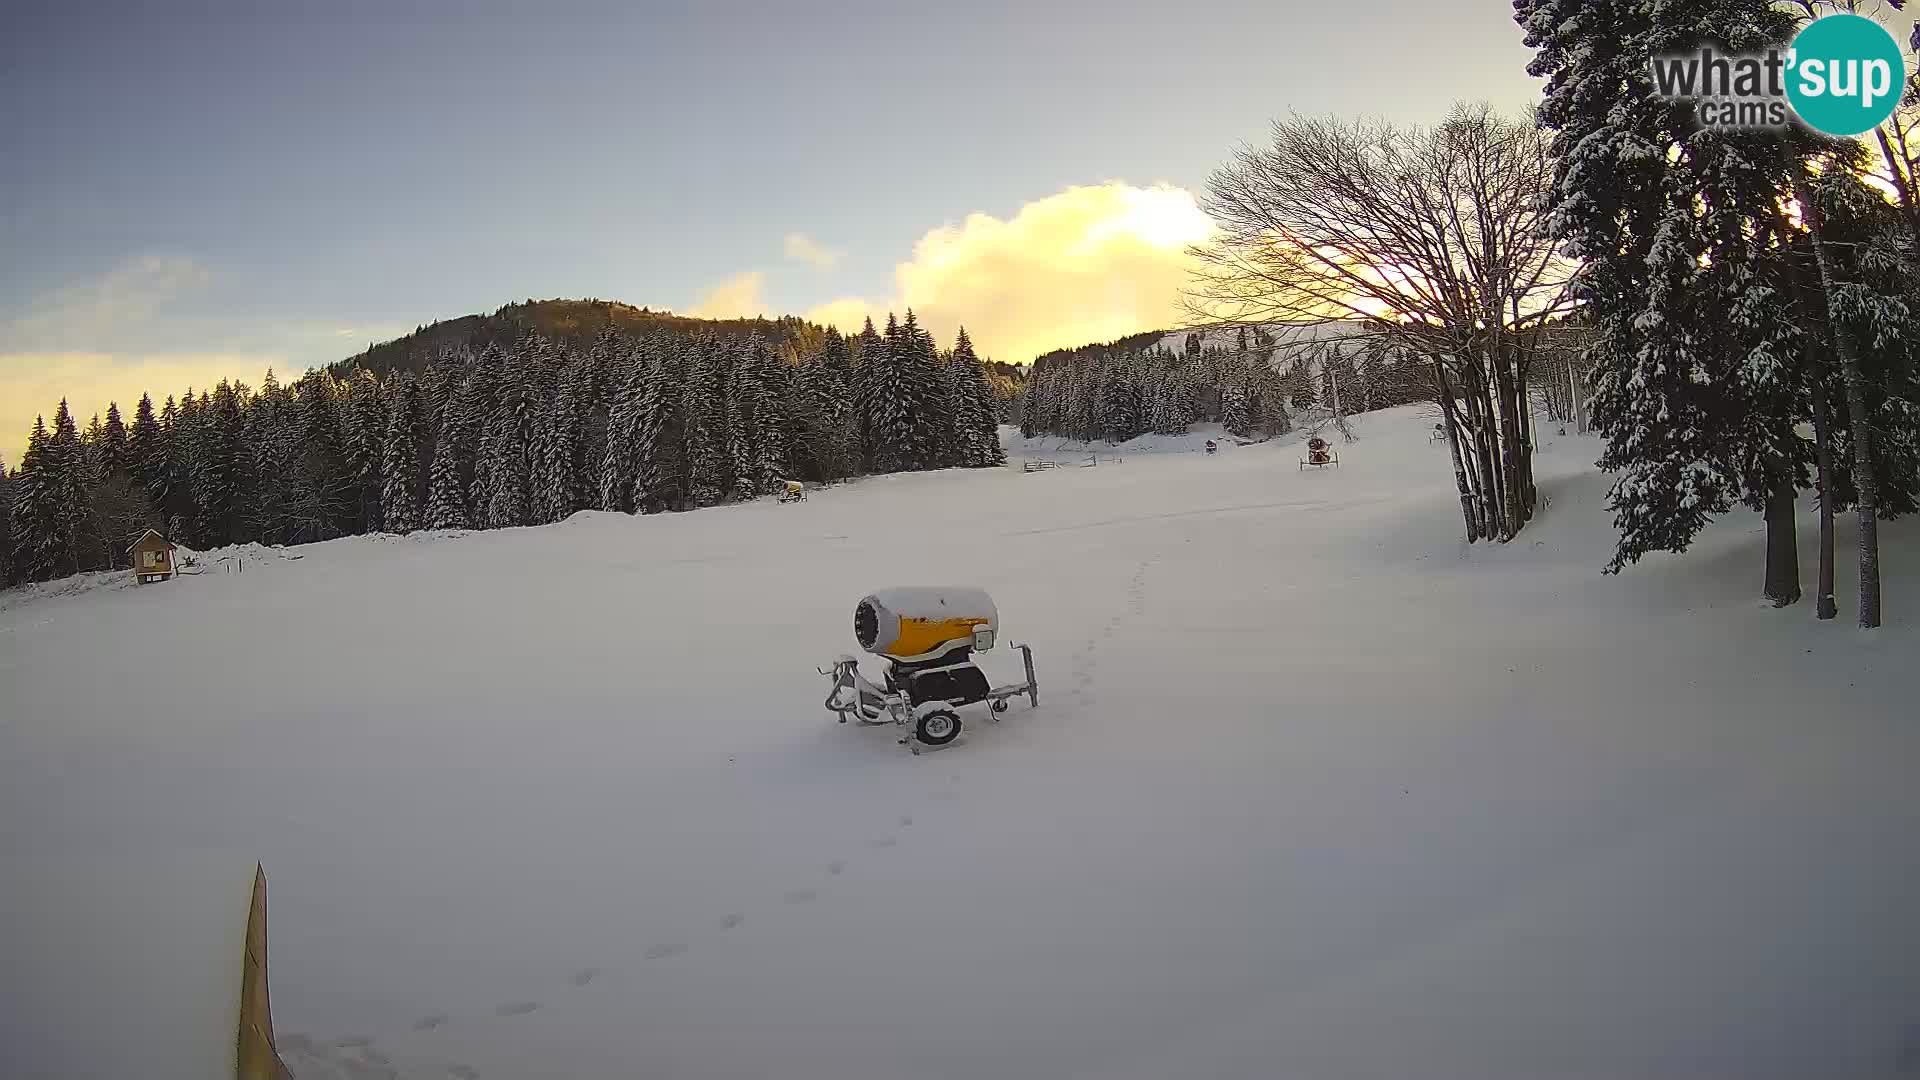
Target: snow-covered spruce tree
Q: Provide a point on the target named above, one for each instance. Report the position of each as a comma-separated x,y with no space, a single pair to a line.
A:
326,478
703,425
659,444
1120,405
946,412
216,472
603,368
113,441
830,430
446,494
406,430
1865,313
555,442
1078,415
980,433
890,401
618,463
1236,417
65,469
920,383
1878,307
1693,355
436,388
146,456
1036,413
37,549
1164,414
6,526
764,380
304,476
363,428
506,446
265,448
166,481
473,404
116,509
869,351
736,416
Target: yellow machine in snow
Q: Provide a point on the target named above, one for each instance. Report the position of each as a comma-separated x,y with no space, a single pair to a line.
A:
928,636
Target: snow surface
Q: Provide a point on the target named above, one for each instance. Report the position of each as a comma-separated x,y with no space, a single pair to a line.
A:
1313,790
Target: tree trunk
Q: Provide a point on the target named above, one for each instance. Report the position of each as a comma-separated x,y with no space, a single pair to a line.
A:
1823,605
1573,396
1529,493
1468,513
1492,486
1783,545
1509,436
1868,509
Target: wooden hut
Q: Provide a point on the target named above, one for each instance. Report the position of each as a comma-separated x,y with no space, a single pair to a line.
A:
152,557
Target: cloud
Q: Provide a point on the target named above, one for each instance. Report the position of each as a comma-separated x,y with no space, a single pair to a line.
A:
1082,265
803,248
737,297
94,313
153,323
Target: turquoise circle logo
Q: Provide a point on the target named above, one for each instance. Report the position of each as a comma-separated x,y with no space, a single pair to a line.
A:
1845,74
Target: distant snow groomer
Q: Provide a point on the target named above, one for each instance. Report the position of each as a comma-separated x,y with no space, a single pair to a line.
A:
928,636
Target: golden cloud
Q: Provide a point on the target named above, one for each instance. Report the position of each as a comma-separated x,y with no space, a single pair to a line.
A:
737,297
35,383
1082,265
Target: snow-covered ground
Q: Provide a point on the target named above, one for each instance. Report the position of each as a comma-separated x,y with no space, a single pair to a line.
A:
1313,790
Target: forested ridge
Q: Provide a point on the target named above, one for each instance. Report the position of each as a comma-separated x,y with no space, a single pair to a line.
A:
1251,380
522,417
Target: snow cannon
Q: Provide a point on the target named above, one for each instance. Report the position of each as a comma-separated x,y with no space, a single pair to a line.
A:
927,636
916,624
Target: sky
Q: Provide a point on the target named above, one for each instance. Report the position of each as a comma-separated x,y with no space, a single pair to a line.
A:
196,191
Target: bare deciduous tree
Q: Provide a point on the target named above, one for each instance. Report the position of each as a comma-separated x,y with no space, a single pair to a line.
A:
1431,238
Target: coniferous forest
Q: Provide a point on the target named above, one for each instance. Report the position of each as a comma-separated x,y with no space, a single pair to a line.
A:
1251,382
521,425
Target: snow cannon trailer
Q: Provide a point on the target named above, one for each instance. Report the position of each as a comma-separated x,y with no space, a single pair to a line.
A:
927,637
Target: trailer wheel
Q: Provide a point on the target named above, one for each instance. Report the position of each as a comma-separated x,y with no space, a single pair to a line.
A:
1000,705
937,727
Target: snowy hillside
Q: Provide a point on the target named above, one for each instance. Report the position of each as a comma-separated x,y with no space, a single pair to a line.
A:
1284,334
1312,790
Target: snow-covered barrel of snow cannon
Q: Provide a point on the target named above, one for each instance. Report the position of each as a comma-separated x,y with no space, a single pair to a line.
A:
916,622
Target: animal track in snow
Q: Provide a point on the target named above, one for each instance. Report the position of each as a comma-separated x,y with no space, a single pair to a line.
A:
463,1072
584,976
428,1023
836,867
799,896
731,920
516,1008
661,952
885,841
353,1042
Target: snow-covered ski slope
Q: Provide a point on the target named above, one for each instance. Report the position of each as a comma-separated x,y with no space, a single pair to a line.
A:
1313,790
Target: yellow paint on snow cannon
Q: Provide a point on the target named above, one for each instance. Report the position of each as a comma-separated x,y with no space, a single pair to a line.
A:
913,623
